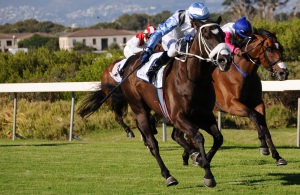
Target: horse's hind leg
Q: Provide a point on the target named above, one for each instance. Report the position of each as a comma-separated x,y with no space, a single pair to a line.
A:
186,144
126,128
118,110
151,142
265,137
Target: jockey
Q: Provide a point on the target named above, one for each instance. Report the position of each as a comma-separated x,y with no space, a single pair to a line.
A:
179,25
138,42
236,33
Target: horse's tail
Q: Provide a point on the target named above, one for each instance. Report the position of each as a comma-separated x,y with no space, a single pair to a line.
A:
94,101
91,103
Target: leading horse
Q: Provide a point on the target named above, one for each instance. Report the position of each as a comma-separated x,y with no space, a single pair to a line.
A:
188,95
239,90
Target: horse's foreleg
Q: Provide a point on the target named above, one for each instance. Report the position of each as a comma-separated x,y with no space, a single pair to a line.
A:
189,149
183,124
239,109
217,143
151,142
259,120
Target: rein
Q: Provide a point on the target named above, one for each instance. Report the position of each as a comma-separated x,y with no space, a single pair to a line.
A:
200,39
251,58
264,51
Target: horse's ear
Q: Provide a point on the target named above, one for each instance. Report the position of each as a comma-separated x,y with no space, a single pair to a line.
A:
219,20
255,31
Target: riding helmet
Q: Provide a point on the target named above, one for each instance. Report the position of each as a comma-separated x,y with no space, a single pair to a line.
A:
198,11
149,30
243,27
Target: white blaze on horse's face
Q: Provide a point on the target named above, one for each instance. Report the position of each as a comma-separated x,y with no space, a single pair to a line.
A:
277,45
282,65
215,31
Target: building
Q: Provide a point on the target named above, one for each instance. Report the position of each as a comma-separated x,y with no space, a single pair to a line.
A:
9,41
100,39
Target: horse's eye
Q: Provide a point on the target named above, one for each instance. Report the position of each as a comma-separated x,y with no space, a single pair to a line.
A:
269,49
207,37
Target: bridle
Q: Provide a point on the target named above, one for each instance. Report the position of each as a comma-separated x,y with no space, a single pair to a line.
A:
270,64
221,48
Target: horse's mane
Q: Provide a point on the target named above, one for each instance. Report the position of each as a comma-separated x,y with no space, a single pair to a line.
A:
263,32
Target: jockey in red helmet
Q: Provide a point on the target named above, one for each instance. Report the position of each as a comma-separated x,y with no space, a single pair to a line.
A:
138,42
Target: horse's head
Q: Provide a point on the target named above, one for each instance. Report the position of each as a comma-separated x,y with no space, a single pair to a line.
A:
269,51
210,43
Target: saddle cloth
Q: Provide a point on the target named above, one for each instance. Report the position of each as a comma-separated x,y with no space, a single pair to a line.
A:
141,73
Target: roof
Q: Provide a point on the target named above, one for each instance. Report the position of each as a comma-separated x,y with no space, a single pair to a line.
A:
98,32
22,35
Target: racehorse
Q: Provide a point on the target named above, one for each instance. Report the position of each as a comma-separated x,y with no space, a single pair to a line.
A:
239,90
188,95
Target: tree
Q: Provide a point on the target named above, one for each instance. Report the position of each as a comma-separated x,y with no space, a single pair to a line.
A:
251,8
37,41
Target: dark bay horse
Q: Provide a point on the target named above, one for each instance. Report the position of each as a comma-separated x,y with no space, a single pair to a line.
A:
239,90
188,94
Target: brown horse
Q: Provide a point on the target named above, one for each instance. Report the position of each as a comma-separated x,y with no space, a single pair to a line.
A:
239,91
188,94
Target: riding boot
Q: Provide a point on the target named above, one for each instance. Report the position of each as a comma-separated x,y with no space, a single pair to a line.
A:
161,61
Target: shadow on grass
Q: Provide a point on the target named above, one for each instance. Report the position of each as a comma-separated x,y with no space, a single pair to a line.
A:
254,147
37,144
289,178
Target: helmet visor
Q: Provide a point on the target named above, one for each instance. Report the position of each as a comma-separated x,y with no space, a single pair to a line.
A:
246,33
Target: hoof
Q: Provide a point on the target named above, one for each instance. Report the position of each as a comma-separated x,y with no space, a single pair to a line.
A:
185,163
281,161
171,181
210,183
130,135
264,151
195,163
194,158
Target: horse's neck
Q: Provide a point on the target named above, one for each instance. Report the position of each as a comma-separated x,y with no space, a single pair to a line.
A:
197,70
245,66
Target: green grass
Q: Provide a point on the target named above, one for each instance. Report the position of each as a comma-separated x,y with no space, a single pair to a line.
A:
107,162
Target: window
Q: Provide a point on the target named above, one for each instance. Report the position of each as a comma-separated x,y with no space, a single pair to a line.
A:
74,41
84,42
94,42
104,44
9,43
115,39
0,43
124,40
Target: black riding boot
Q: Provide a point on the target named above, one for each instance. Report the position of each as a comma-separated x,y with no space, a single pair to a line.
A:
161,61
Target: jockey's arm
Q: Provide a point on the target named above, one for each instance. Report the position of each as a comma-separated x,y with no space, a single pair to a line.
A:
232,47
163,29
132,47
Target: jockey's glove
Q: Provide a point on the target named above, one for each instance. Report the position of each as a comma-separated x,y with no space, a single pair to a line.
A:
146,56
239,52
188,38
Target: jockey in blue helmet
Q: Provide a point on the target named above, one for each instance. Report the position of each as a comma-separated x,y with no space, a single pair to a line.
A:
236,33
180,25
